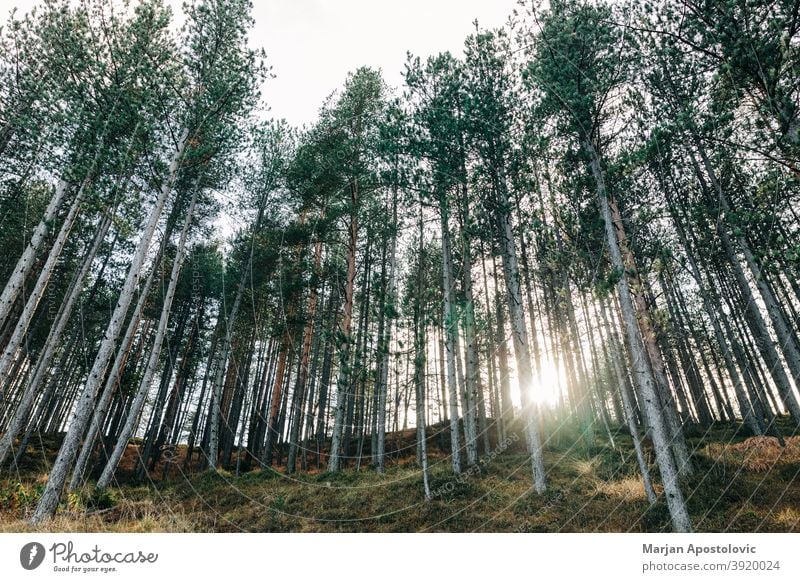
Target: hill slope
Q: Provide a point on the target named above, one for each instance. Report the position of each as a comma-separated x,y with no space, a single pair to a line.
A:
741,485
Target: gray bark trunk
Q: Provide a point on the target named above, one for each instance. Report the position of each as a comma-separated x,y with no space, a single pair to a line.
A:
449,346
384,374
756,320
51,344
58,475
630,413
776,315
519,334
110,386
219,377
25,263
420,366
42,280
641,368
343,380
155,352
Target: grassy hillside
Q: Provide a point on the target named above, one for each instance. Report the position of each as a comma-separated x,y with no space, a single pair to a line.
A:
742,484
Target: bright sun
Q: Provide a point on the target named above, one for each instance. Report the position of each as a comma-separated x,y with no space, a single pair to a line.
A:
545,391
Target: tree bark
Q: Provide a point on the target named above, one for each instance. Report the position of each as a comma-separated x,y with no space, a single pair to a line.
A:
519,333
652,405
344,340
155,352
55,484
25,263
51,344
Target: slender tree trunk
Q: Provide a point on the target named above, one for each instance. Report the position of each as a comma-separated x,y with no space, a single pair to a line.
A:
652,405
419,363
519,333
55,484
25,263
450,329
302,377
648,334
325,376
344,340
36,294
386,339
53,338
155,352
111,385
630,414
752,313
746,406
222,365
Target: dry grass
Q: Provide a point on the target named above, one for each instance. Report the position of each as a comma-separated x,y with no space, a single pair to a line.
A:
596,490
585,467
626,489
756,454
789,517
130,517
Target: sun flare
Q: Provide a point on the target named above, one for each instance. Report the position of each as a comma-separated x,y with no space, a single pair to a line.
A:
544,390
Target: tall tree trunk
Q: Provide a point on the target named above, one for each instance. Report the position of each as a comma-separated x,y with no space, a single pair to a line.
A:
344,339
155,352
36,294
222,365
747,407
630,414
519,332
450,330
66,455
51,344
649,335
652,404
25,263
325,376
383,381
756,321
302,376
420,347
111,384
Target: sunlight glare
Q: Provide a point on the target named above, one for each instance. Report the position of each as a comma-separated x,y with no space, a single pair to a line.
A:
545,389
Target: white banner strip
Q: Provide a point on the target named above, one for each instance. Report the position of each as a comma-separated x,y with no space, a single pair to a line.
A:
400,557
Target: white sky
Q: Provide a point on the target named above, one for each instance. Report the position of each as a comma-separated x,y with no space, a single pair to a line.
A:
313,44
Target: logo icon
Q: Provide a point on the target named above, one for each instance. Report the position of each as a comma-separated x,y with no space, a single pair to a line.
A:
31,555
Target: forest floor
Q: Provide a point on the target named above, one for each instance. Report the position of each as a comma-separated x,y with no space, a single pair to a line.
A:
741,484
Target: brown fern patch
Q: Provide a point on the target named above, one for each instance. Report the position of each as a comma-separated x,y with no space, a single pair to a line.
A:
756,454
